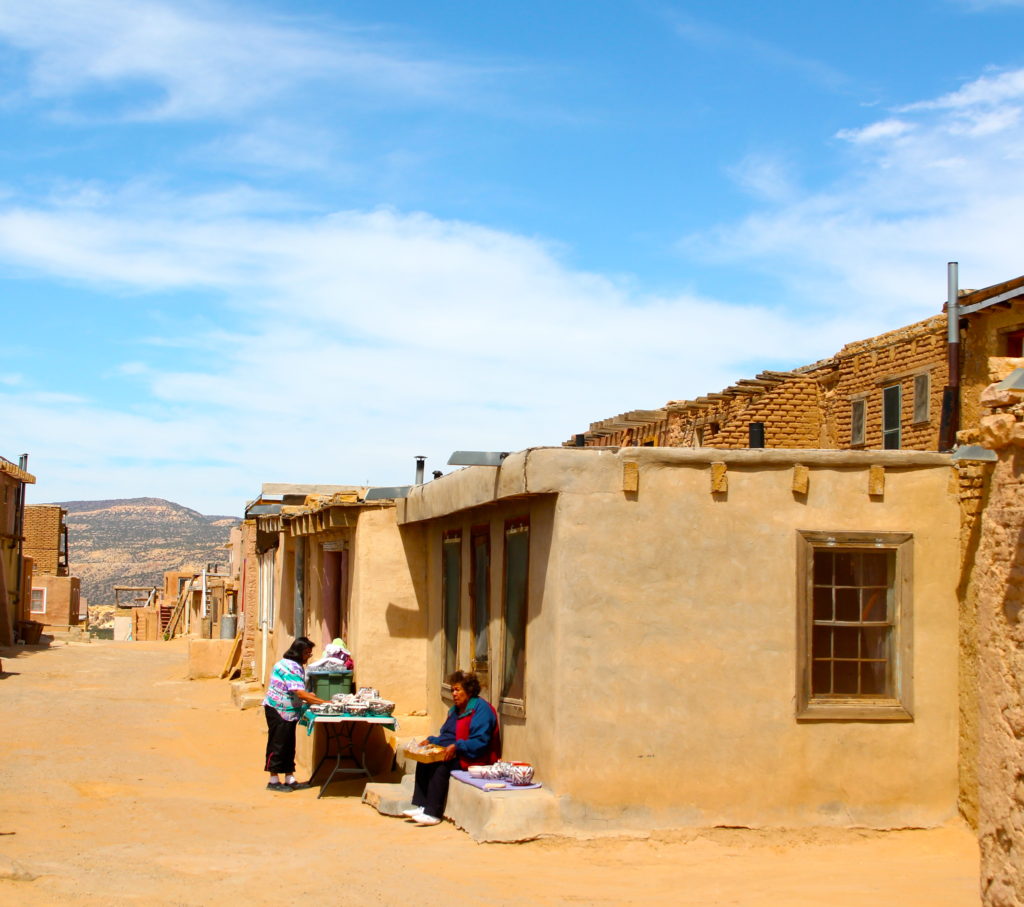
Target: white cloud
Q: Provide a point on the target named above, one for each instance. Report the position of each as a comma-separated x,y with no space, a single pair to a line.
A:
346,344
883,129
940,182
193,59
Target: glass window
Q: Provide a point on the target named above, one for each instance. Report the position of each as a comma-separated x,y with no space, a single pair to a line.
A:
451,580
892,403
480,594
38,605
516,593
857,412
855,626
922,388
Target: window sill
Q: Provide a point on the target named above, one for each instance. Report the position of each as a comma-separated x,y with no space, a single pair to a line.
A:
854,710
515,708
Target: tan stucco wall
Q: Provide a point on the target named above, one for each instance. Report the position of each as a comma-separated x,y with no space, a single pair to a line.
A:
62,599
385,601
661,645
388,609
207,657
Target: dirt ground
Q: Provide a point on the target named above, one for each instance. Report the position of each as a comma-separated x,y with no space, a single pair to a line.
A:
123,783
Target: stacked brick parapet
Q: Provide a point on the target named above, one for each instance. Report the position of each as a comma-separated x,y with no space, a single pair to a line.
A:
44,535
810,407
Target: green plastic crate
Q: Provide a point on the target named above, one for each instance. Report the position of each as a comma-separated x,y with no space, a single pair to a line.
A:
327,685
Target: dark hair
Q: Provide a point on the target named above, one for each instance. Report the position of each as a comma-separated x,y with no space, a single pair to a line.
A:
298,649
468,681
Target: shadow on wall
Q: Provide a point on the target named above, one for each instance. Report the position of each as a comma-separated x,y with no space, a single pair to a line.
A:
411,623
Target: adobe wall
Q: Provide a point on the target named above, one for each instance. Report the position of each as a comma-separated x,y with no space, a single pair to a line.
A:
999,572
248,605
62,600
43,524
662,639
973,479
388,609
866,366
809,408
981,340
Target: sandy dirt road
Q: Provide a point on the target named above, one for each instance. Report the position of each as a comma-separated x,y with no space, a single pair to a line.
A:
123,783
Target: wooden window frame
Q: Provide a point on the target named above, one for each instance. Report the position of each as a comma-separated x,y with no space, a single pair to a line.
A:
1013,342
479,535
922,398
450,537
899,705
857,437
897,432
512,705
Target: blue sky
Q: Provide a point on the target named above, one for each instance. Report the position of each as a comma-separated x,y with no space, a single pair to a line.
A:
304,241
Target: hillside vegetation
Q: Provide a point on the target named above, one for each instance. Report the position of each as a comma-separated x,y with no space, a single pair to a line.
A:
132,541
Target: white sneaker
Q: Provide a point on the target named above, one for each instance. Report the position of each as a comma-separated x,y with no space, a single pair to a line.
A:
413,812
424,819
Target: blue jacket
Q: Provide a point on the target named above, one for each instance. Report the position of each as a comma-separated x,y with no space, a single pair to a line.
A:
474,733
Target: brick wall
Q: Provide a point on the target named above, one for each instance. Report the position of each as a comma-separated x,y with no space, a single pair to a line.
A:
864,368
44,525
808,408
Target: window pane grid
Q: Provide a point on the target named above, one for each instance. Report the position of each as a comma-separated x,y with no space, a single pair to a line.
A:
851,641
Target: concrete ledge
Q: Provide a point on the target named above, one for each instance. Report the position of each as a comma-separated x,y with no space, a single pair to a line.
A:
499,817
246,694
206,657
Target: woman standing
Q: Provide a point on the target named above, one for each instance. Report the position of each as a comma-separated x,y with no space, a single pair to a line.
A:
282,707
469,735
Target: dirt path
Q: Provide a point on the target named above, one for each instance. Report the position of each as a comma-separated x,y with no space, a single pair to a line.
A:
122,783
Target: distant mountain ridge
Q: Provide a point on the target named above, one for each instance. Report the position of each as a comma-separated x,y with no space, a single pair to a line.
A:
133,541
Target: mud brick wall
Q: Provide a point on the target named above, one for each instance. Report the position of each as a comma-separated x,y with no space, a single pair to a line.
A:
791,414
999,578
865,367
249,604
973,480
43,526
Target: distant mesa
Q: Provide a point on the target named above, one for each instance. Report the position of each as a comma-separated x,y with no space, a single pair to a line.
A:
133,541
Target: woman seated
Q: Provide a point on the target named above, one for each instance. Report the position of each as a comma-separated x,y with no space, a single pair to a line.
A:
469,735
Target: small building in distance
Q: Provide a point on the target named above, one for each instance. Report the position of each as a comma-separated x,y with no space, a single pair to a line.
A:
55,597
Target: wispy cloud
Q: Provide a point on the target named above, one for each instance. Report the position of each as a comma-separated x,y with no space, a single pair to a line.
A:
940,181
357,339
189,60
709,35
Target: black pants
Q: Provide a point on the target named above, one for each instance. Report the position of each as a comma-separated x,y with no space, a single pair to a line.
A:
431,789
280,742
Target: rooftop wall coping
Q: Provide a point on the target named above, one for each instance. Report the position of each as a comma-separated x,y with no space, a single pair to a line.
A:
589,470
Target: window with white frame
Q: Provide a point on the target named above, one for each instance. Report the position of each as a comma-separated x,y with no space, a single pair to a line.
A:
854,625
38,603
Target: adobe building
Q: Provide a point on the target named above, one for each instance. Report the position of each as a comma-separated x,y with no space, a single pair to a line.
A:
707,637
15,565
324,562
55,598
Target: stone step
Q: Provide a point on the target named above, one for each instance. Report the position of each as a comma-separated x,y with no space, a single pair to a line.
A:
486,816
247,694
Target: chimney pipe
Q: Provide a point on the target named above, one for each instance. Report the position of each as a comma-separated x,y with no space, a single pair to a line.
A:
420,461
950,424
